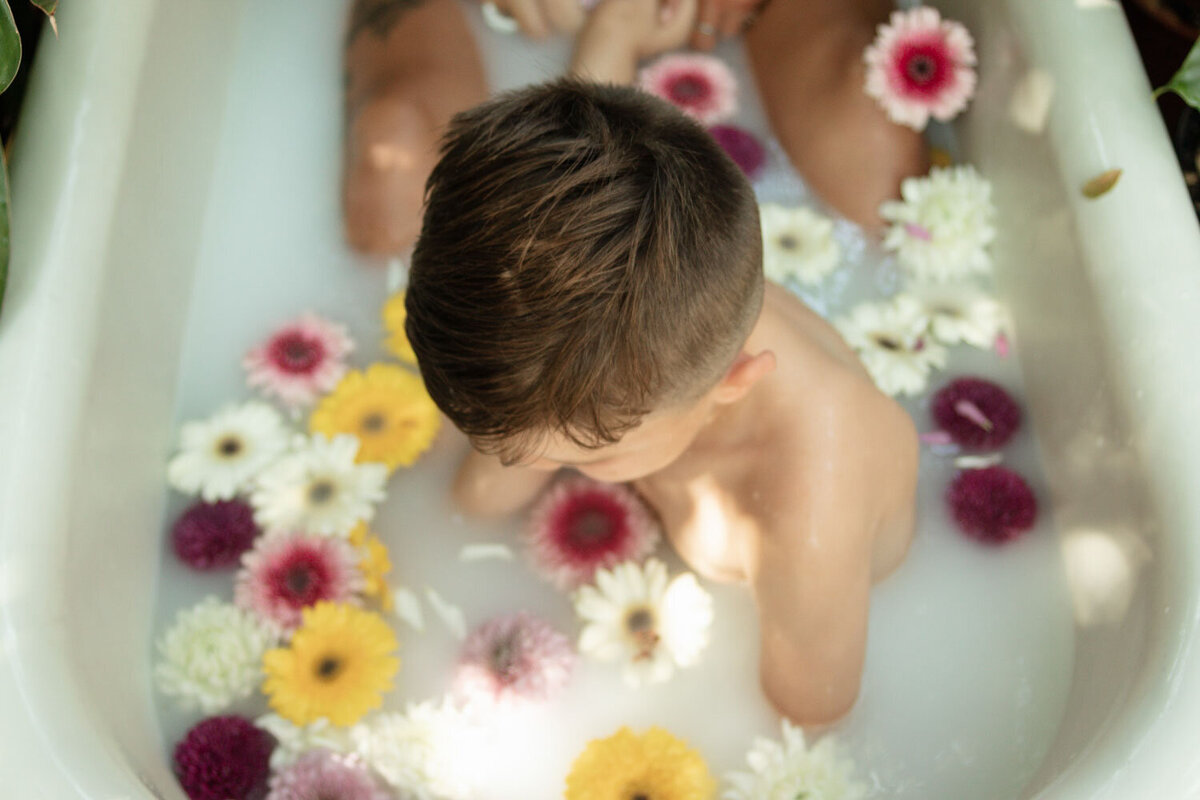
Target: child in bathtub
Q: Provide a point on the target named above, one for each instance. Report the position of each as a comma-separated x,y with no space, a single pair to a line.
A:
587,292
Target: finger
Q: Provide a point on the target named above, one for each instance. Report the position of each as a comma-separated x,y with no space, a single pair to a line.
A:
680,26
565,16
706,25
731,22
529,16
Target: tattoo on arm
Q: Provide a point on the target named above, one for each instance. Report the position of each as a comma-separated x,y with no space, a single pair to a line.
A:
377,16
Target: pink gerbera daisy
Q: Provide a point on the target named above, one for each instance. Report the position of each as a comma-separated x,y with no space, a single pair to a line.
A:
514,657
322,775
580,526
287,572
920,66
698,85
301,360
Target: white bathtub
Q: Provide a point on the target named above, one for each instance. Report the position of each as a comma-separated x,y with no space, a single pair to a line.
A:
112,173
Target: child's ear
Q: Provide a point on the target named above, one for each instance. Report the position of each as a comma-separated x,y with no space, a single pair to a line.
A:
746,371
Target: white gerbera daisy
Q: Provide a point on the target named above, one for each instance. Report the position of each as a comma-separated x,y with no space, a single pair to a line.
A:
319,488
788,770
797,242
220,456
961,315
211,656
892,340
293,741
634,615
944,225
416,752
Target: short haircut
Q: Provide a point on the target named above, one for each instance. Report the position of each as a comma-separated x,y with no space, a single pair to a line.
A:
588,254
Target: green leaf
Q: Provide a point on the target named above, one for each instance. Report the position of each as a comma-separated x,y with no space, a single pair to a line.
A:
49,7
4,222
10,46
1186,82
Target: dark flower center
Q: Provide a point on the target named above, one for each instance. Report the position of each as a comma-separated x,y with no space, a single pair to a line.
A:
229,446
374,422
298,579
789,242
591,526
328,668
639,621
925,68
321,492
921,68
294,352
503,658
689,88
887,342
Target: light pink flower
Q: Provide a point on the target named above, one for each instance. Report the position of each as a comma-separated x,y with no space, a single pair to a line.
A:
287,572
301,360
511,658
698,85
580,526
322,775
920,66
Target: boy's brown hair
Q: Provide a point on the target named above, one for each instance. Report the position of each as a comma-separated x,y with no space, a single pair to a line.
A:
588,254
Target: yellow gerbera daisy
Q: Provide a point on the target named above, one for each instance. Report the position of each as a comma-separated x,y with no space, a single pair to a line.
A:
339,665
387,408
653,765
375,564
394,317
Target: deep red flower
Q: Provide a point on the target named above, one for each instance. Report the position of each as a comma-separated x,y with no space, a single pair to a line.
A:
224,758
978,414
993,505
214,535
741,146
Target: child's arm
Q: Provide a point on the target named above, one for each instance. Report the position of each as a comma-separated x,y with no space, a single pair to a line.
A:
620,33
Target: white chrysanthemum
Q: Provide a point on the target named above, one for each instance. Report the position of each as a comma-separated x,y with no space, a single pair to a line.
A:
788,770
318,488
211,656
293,741
961,315
220,456
797,242
417,752
892,340
634,615
944,225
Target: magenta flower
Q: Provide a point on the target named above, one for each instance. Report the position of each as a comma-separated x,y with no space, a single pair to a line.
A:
993,505
921,66
214,535
322,775
224,758
742,147
300,361
698,85
287,572
977,414
513,658
579,526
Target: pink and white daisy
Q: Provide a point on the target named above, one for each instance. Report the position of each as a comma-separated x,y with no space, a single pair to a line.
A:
700,86
921,66
287,572
511,658
580,526
322,775
300,361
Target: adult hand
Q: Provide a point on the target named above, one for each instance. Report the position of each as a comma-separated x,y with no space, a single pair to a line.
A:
539,18
720,19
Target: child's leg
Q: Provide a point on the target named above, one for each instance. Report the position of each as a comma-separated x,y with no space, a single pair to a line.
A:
807,58
410,66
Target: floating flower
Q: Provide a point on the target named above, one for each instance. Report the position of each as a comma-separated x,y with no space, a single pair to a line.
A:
700,86
654,765
223,758
293,741
892,340
322,775
994,505
387,408
374,563
319,488
580,525
300,361
977,414
514,657
944,225
634,615
742,147
921,66
288,572
789,769
395,315
211,656
214,535
417,752
339,664
797,243
220,456
961,315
